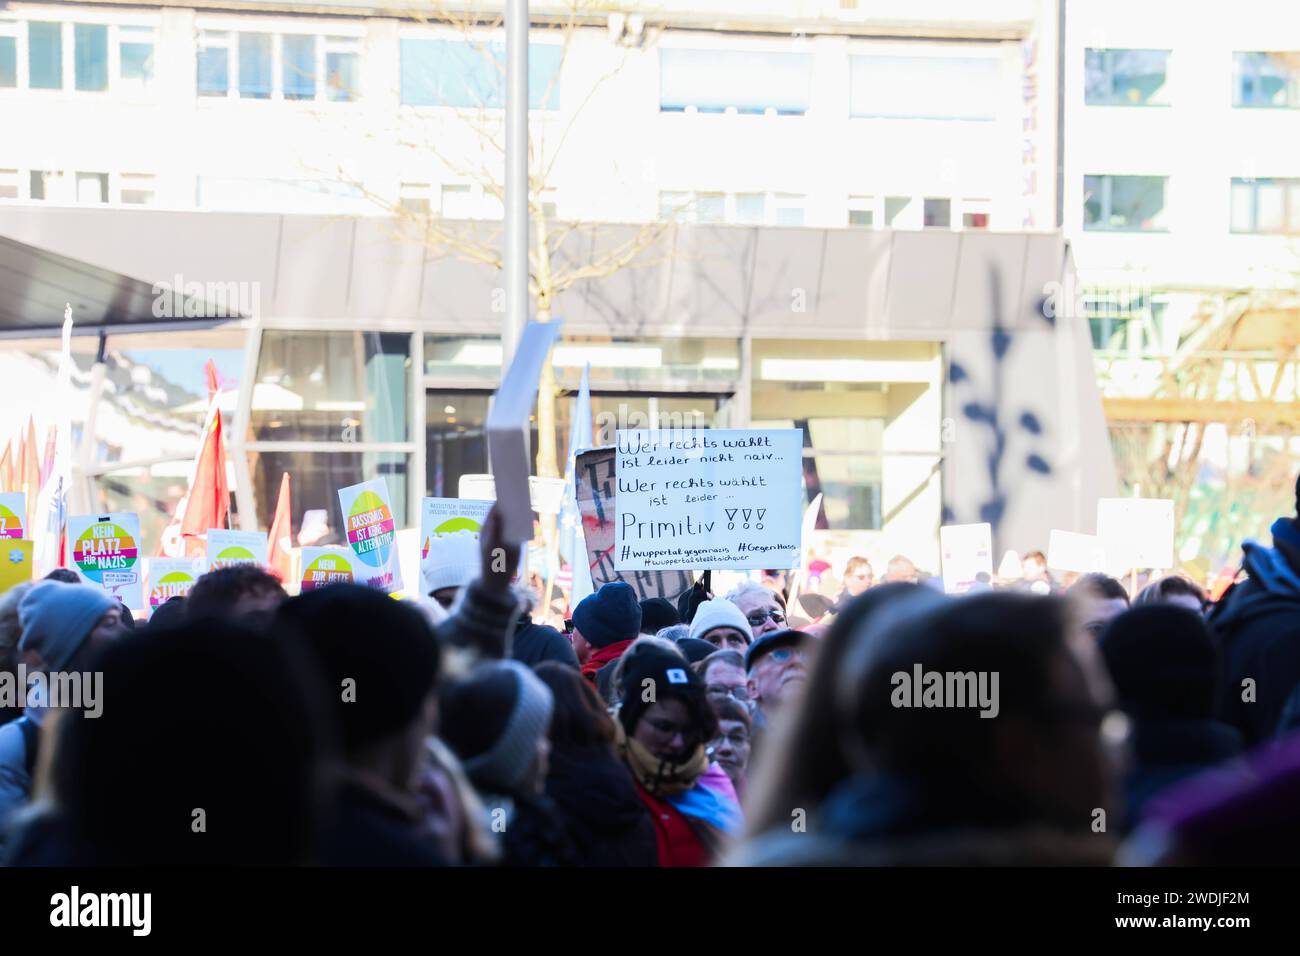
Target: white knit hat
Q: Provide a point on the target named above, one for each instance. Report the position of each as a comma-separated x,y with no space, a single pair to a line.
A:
452,562
719,612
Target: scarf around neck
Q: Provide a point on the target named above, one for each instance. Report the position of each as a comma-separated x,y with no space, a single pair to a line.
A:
660,778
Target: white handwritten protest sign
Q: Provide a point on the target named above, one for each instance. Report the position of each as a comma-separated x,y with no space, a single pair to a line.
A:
106,553
967,551
708,498
1070,551
1136,532
323,566
372,534
13,514
172,577
227,548
598,507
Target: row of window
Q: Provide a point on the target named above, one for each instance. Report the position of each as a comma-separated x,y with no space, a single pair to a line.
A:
1137,204
788,209
269,65
1139,78
78,186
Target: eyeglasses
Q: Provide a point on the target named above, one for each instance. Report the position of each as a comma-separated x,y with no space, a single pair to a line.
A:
740,692
758,618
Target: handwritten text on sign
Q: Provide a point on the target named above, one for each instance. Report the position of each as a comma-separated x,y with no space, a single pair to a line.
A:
598,506
709,498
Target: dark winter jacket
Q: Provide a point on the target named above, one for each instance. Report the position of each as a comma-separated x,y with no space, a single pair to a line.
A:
1166,752
1258,623
607,821
366,830
888,821
532,830
535,643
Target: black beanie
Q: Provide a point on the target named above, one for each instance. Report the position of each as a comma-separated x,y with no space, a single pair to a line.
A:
673,679
656,614
386,648
695,649
608,616
1163,661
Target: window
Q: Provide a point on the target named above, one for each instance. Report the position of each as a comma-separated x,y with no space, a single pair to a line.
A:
298,59
1126,78
92,187
8,184
711,207
789,209
458,201
752,82
938,213
255,66
898,212
1124,203
8,59
862,211
465,75
90,57
1266,80
45,184
1267,206
332,386
342,69
45,55
674,206
136,54
924,87
414,198
214,63
975,214
751,208
137,189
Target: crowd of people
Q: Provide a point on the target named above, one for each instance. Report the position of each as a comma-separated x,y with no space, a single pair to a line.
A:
341,727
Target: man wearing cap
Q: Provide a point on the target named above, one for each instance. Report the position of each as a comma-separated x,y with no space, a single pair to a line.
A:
775,665
62,626
604,626
722,624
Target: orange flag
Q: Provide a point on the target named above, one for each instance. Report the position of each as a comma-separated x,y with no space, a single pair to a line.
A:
31,473
280,538
47,462
7,468
209,497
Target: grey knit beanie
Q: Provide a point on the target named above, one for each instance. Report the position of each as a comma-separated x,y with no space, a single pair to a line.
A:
506,763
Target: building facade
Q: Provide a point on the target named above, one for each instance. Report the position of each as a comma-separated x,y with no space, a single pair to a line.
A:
837,220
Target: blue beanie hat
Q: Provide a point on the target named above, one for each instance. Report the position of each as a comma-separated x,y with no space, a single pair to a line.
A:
608,616
56,619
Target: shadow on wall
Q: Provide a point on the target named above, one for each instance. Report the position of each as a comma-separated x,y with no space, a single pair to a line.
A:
983,404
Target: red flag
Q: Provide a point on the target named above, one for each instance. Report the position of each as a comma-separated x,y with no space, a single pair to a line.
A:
280,539
214,383
209,497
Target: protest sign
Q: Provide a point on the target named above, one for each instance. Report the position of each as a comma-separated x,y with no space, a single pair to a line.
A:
1136,532
322,566
372,534
227,548
597,505
1070,551
508,429
545,495
15,562
13,515
106,553
172,577
967,552
708,498
441,516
